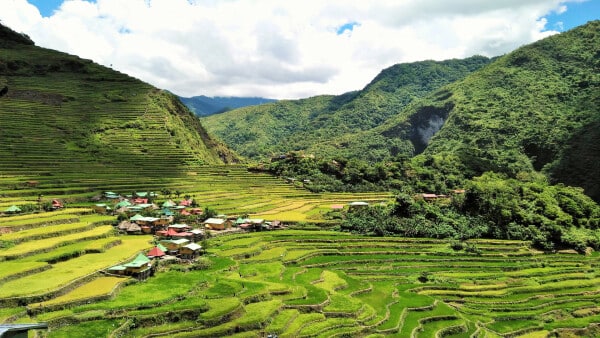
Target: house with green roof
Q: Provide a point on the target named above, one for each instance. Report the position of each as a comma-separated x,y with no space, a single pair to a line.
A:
168,204
140,267
161,247
111,195
123,204
13,209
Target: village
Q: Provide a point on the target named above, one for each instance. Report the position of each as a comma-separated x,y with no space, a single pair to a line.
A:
178,228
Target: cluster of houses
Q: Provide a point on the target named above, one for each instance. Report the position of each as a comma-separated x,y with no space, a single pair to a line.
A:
143,265
174,240
161,224
142,201
14,209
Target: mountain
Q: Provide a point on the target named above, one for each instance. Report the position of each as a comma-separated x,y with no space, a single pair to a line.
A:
537,108
63,113
261,131
534,109
205,106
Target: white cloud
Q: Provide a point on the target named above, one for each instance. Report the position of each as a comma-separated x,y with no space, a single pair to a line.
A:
273,48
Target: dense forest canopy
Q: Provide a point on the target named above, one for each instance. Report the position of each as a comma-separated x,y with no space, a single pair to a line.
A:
516,134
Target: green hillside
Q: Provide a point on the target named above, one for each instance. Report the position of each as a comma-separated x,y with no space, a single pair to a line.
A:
537,108
61,113
505,136
260,131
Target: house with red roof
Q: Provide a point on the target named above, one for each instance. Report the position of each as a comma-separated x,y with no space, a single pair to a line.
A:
186,203
196,211
156,252
140,200
56,204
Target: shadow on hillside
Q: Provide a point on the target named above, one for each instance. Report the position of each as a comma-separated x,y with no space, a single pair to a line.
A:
579,164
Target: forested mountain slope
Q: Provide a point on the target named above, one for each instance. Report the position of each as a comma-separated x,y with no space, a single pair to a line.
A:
60,113
537,108
261,131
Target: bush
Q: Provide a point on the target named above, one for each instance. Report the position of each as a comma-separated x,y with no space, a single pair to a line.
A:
472,248
456,245
202,263
424,277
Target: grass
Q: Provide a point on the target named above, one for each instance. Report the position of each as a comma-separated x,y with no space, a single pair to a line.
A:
351,285
28,248
219,307
9,269
301,321
91,329
98,287
268,255
331,281
55,230
63,273
282,321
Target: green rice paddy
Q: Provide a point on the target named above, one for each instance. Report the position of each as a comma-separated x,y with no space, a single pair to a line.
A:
292,282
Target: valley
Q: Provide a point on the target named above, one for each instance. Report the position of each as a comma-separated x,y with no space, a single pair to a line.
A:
439,201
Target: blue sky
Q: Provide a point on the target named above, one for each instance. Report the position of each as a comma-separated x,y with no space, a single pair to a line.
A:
575,15
46,7
283,49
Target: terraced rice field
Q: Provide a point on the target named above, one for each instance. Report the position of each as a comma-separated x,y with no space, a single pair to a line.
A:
296,283
230,190
46,257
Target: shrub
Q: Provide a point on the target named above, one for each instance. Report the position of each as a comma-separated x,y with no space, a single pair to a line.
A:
456,245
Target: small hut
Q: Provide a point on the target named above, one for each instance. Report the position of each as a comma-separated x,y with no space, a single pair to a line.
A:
156,252
13,209
217,223
124,225
134,229
190,251
56,204
168,204
139,268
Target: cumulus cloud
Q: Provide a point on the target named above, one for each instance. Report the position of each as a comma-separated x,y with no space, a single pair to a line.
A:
278,49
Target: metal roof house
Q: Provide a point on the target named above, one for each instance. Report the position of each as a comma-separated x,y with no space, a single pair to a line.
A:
19,330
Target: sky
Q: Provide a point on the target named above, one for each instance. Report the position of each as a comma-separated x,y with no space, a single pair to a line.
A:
283,49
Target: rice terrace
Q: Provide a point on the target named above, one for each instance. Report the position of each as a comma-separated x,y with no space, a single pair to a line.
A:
121,215
289,283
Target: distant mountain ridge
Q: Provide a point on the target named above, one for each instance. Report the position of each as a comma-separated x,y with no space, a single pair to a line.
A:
321,124
205,106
